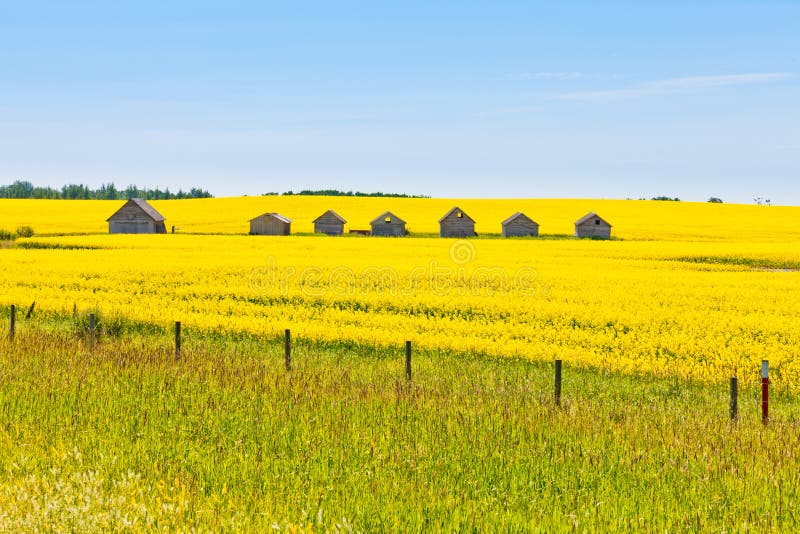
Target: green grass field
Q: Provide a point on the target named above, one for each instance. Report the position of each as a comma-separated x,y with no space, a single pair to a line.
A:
128,439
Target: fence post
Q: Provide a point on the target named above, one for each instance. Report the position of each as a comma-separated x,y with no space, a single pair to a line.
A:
287,346
13,326
558,382
734,406
91,331
30,311
764,391
408,360
177,340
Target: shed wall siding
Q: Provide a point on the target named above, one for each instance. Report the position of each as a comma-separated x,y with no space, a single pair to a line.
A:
135,226
328,224
129,212
132,221
392,229
269,226
520,227
590,229
454,226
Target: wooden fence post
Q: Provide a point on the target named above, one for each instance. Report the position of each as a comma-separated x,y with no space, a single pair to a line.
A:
30,311
13,326
287,346
764,391
408,360
177,340
558,382
91,331
734,406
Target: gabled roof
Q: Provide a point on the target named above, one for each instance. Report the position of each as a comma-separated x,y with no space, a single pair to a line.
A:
144,206
277,216
382,217
455,209
589,216
516,216
331,212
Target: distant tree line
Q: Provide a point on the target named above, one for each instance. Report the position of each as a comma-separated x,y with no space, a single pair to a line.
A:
22,189
337,193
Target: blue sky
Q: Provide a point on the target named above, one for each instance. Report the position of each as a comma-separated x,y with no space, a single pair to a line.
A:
461,99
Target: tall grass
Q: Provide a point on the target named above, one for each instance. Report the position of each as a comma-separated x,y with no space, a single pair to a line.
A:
127,438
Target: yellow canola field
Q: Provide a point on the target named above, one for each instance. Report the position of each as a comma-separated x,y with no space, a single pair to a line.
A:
693,309
631,219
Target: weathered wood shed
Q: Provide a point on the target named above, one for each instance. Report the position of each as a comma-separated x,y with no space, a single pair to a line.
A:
329,223
456,223
519,225
592,225
136,216
388,224
270,224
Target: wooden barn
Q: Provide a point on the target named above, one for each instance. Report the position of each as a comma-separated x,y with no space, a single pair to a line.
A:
519,225
456,223
592,225
136,216
329,223
388,224
270,224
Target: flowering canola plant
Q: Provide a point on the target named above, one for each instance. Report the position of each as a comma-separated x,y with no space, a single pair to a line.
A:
631,219
684,300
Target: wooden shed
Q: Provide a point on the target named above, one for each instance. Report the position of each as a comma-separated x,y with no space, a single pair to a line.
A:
388,224
270,224
329,223
519,225
592,225
136,216
456,223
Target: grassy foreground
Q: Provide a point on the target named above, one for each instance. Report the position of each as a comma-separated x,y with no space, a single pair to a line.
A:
226,439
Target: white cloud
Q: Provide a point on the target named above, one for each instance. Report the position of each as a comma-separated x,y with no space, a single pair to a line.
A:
673,86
